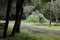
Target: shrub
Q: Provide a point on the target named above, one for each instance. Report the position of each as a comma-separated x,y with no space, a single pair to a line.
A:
35,19
32,18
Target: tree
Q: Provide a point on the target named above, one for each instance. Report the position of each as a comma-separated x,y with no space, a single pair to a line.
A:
19,8
27,2
7,18
52,8
55,10
3,4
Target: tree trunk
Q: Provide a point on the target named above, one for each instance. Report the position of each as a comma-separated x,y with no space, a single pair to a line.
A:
19,20
50,15
56,16
7,18
50,19
18,17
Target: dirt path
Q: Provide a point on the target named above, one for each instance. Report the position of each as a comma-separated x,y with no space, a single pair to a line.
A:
38,30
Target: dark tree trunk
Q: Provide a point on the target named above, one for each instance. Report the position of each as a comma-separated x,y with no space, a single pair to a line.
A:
19,20
16,19
7,18
19,8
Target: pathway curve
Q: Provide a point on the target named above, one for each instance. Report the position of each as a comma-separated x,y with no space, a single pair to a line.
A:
39,30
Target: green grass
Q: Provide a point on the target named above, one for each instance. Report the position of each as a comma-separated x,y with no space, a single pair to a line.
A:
46,26
26,35
50,27
2,21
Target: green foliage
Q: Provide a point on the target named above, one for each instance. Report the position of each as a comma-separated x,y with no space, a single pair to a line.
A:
44,2
3,5
32,18
27,2
53,9
45,20
1,33
35,18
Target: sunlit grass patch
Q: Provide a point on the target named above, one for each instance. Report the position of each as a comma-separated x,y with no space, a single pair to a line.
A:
2,21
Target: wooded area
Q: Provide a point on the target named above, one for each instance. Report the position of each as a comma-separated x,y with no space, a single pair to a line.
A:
37,11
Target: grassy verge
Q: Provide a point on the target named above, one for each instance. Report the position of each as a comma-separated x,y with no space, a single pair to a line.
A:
26,35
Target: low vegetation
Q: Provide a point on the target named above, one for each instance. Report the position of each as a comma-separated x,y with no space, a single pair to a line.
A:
28,35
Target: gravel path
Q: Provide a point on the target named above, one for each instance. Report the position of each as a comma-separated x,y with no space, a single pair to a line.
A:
39,30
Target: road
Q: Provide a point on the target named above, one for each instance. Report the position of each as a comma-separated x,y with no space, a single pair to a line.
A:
38,30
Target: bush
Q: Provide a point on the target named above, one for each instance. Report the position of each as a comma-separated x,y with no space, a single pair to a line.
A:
32,18
35,19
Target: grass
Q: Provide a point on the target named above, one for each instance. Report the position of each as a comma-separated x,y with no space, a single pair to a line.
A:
50,27
27,35
2,21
